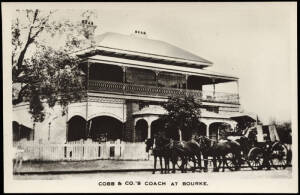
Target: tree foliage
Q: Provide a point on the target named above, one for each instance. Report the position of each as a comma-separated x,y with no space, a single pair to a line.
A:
51,77
183,113
41,73
284,131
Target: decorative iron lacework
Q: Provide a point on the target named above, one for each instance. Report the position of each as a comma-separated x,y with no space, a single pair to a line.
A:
154,91
106,100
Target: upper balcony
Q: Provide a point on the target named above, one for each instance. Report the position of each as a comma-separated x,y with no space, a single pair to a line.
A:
156,83
163,92
136,66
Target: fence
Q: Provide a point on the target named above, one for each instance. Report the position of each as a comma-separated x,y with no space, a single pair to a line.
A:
83,151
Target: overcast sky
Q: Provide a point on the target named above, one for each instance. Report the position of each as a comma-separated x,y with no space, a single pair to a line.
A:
252,41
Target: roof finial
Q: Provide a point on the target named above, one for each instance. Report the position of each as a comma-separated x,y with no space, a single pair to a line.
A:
140,33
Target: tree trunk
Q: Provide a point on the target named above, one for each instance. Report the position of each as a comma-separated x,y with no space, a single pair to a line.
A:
180,135
18,68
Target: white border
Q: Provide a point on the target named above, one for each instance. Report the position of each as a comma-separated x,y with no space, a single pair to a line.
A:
228,185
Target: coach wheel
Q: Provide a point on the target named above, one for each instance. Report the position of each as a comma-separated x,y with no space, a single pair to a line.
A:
255,158
231,162
279,156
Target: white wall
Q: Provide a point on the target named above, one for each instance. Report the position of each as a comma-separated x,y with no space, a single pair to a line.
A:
58,122
116,110
41,130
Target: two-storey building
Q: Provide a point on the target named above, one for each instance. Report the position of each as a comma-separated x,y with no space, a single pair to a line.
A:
128,76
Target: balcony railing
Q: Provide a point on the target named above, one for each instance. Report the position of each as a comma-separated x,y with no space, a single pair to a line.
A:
153,91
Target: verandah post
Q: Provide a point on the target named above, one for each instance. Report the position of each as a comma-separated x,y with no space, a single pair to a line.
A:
67,124
87,134
124,68
186,84
214,90
238,91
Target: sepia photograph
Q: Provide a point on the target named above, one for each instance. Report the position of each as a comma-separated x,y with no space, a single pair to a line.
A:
150,97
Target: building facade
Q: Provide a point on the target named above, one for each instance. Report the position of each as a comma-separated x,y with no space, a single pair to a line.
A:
128,77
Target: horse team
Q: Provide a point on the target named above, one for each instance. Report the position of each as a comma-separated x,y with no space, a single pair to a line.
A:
182,153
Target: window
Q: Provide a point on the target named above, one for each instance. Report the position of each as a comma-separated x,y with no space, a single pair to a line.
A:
171,80
140,76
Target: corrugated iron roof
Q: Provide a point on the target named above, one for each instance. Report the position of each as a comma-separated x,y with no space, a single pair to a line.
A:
145,45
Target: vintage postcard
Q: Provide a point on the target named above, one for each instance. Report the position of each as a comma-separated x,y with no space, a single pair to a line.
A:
150,97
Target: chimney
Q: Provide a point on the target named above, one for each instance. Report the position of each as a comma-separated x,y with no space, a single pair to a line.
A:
139,33
88,28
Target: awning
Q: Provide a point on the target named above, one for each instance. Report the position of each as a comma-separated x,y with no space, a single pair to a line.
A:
242,117
158,110
207,114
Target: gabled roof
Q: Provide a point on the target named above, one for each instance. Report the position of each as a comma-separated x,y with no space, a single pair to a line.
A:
141,45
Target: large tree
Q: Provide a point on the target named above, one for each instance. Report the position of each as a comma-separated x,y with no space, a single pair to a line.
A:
183,115
41,73
284,130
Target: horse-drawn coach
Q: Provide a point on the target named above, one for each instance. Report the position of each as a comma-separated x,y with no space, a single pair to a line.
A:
261,146
253,144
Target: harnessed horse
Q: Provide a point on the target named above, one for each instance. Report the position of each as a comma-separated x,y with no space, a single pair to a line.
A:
219,150
160,149
168,150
